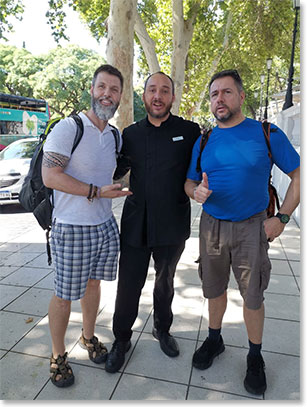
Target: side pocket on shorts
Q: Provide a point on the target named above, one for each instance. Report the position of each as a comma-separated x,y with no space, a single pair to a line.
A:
200,269
265,269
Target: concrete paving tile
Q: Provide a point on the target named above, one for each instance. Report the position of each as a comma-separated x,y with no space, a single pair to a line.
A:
35,302
25,277
296,267
196,393
12,246
24,376
9,293
2,353
3,256
187,274
34,248
132,387
19,259
276,250
283,377
281,336
291,240
47,282
282,285
148,360
91,383
281,267
293,254
38,341
282,306
6,271
190,296
40,261
226,373
14,327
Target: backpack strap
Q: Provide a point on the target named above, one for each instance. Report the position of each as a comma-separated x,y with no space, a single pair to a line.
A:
266,127
80,130
115,132
203,141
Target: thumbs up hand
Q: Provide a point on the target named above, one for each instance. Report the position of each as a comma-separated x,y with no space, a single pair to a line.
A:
202,192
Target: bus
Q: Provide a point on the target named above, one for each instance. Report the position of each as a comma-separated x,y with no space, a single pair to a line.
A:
21,117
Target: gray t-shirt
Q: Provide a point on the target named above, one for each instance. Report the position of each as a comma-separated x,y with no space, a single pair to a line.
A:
93,162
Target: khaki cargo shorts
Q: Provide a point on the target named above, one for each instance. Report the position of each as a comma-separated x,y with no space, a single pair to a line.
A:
241,245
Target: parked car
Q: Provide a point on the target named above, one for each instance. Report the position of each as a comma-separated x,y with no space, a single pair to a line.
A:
14,165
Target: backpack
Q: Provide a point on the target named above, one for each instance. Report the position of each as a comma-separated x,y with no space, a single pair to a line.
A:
34,196
273,197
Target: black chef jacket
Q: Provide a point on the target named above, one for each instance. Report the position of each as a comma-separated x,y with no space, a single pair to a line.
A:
158,213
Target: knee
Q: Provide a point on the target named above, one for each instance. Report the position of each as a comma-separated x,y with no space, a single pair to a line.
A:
61,304
93,284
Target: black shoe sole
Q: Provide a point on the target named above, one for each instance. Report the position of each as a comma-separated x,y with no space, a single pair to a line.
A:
114,369
203,366
257,392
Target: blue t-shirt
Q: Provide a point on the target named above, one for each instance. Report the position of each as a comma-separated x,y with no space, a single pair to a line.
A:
238,168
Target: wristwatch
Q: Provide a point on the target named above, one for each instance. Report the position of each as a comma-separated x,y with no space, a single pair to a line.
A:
283,217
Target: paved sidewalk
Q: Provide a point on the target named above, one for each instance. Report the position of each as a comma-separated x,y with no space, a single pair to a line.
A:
26,288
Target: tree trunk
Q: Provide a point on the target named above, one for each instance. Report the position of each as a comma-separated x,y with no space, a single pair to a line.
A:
214,65
182,36
148,45
119,52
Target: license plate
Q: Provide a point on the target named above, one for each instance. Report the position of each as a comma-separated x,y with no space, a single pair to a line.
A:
5,195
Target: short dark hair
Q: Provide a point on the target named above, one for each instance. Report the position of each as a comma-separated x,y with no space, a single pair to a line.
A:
161,73
228,72
111,70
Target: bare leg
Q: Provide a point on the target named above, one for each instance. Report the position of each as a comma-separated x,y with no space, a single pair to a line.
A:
59,312
254,321
217,307
90,304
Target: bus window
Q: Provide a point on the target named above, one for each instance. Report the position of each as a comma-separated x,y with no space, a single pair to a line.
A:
21,117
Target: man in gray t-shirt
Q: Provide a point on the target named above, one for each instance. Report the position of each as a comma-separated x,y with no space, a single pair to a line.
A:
84,235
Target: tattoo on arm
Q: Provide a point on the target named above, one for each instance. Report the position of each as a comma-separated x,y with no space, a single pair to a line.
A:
51,160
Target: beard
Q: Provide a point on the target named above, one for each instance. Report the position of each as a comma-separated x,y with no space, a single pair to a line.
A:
104,113
228,116
159,115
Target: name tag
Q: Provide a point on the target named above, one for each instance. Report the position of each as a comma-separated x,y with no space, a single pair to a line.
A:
178,138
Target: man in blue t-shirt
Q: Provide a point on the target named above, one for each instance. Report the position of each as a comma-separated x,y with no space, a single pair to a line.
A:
234,230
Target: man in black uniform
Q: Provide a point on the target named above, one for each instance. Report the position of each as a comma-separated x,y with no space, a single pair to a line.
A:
156,218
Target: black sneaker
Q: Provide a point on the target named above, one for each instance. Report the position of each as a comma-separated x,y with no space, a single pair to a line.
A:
116,358
203,357
255,381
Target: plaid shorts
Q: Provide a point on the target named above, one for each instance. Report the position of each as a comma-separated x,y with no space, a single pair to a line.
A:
81,253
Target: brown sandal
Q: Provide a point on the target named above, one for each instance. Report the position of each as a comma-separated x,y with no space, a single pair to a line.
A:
63,369
97,352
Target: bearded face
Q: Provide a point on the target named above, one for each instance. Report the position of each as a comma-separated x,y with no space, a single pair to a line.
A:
104,107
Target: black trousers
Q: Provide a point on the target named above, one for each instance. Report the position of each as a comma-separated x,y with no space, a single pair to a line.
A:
133,269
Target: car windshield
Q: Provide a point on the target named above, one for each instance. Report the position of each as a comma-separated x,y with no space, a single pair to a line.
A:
18,150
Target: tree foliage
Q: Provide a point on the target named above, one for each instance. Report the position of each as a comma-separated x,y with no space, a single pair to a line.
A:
62,77
238,34
9,8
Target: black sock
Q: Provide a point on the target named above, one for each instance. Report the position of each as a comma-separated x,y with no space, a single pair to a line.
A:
214,334
254,349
